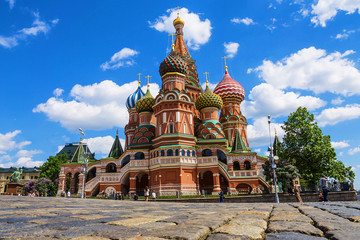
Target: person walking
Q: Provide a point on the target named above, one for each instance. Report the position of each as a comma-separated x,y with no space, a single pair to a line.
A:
153,196
324,187
297,194
222,197
68,194
146,193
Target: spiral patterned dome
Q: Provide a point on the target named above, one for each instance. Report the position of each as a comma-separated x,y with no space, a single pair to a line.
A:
229,88
146,103
173,63
208,99
133,98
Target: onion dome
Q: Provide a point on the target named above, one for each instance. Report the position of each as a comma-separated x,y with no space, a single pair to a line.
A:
173,63
208,99
229,88
178,20
133,98
146,103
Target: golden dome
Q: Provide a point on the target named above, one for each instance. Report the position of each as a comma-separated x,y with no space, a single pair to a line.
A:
178,20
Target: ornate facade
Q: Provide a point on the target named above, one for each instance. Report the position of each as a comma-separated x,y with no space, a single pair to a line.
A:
184,140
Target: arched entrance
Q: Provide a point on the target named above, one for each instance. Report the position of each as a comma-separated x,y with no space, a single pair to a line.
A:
224,184
243,188
206,182
76,182
68,181
91,174
221,156
111,167
142,180
125,183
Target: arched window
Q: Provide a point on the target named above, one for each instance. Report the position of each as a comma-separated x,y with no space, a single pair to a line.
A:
188,153
193,153
111,167
171,128
247,165
182,152
236,166
169,153
206,153
125,160
139,156
177,152
221,156
162,153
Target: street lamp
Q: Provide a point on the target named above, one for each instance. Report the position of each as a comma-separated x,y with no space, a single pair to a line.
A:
83,167
272,161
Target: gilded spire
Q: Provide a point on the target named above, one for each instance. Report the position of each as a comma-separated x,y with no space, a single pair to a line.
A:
275,132
172,41
139,74
226,71
178,20
206,76
148,84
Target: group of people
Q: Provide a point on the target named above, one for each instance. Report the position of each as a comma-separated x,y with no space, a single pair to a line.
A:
113,195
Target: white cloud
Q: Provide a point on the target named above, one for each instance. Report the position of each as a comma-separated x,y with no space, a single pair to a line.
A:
7,142
22,157
122,58
337,101
345,34
58,92
211,85
37,27
258,132
315,70
247,21
332,116
11,3
266,99
102,145
196,31
341,144
354,151
272,26
325,10
231,49
92,107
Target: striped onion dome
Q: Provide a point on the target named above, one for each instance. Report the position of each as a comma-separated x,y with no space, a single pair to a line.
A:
133,98
208,99
229,88
173,63
146,103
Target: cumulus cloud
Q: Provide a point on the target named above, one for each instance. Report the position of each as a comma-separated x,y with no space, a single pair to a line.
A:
11,3
102,145
339,145
266,99
344,34
337,101
258,132
13,154
38,27
247,21
211,85
58,92
315,70
231,49
196,31
122,58
325,10
93,107
354,151
332,116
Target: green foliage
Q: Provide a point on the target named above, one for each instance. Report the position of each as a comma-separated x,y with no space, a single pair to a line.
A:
309,150
51,168
286,173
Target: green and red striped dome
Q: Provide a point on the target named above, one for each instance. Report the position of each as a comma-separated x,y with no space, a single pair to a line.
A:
173,63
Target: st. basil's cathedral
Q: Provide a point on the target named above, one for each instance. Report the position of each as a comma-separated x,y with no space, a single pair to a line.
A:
183,141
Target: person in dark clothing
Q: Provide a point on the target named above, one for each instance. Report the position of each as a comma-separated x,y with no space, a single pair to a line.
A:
324,187
222,197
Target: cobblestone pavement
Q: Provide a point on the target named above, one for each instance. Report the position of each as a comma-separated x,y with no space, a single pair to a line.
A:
62,218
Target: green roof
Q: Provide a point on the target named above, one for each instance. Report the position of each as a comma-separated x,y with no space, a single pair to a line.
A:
70,148
12,169
116,149
239,145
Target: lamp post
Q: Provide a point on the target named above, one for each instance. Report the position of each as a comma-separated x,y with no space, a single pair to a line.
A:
272,161
83,167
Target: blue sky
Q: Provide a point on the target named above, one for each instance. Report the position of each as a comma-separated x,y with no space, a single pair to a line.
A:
71,64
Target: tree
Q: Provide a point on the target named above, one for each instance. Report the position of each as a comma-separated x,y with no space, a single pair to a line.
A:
286,173
305,146
51,168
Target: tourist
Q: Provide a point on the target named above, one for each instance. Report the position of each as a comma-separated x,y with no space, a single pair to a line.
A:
136,197
153,195
297,194
122,196
321,197
324,187
146,193
222,197
68,194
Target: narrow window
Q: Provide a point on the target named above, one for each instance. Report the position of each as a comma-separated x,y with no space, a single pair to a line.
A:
185,128
164,117
178,116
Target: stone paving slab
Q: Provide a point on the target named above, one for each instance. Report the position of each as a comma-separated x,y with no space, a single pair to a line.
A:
98,219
